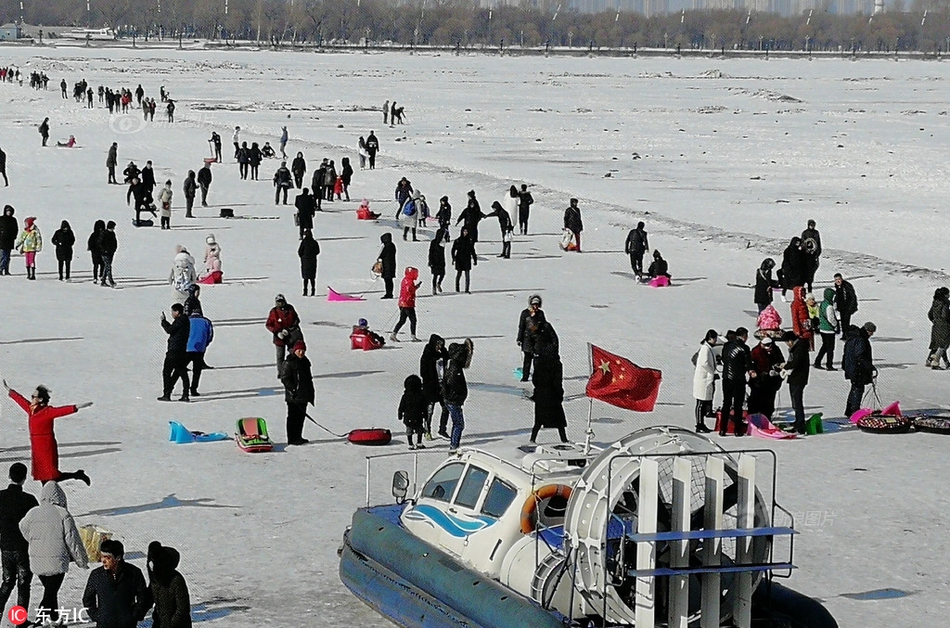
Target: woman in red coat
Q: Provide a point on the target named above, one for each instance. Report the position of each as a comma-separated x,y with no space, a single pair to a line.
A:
407,303
42,440
801,321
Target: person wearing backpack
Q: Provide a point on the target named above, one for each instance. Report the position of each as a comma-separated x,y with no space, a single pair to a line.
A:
408,216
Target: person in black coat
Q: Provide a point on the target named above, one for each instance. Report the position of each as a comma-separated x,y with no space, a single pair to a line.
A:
168,587
204,182
3,168
316,183
548,383
176,356
14,504
764,284
305,210
793,266
811,250
412,410
298,392
116,594
455,388
190,188
434,353
108,245
528,324
736,365
437,260
387,257
795,373
525,200
346,175
573,222
504,223
858,363
659,267
470,217
63,240
92,245
9,230
463,258
298,167
307,252
846,302
636,245
444,216
372,147
148,177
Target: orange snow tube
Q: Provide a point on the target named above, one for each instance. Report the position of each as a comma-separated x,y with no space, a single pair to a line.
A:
528,522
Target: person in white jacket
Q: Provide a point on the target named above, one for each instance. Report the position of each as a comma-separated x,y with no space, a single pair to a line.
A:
510,203
165,202
183,274
54,543
704,380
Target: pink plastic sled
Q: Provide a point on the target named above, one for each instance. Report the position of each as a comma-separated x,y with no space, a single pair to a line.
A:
333,295
759,425
660,282
892,410
212,278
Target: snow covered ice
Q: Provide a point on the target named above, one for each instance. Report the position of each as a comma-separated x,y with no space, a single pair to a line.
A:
723,160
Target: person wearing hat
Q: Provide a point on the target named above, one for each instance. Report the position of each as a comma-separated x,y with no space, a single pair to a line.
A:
736,366
767,360
192,304
795,373
284,324
704,380
528,324
212,272
858,363
14,504
573,222
116,594
811,247
176,355
54,543
407,303
168,587
165,202
30,242
298,391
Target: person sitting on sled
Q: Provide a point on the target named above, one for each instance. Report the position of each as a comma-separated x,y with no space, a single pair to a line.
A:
363,213
44,450
659,267
268,151
68,143
362,335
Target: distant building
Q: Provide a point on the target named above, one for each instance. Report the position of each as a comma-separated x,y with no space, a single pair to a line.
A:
10,32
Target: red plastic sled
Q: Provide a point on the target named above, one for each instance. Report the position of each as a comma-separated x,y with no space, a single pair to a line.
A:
373,436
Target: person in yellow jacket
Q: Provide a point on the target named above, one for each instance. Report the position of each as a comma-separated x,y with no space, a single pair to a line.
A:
30,243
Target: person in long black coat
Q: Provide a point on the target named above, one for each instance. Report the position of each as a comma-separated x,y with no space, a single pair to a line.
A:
92,245
387,256
346,175
463,258
437,260
548,383
504,223
299,168
63,240
573,222
434,353
764,284
528,325
298,391
470,217
9,230
307,252
939,315
168,587
305,209
793,266
858,362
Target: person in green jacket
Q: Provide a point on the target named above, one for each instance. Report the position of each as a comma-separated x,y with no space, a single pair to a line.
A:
827,328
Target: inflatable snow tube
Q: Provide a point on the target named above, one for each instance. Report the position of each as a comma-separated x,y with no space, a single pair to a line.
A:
530,507
375,436
877,423
932,423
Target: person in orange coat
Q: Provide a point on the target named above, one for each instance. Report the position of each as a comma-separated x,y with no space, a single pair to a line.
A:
801,321
45,453
407,303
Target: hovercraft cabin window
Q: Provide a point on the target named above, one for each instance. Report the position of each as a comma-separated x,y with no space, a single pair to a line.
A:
500,496
471,487
442,485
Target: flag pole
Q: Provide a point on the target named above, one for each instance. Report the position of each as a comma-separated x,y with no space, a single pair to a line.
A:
590,408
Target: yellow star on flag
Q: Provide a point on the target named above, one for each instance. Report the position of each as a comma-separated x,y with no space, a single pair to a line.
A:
604,366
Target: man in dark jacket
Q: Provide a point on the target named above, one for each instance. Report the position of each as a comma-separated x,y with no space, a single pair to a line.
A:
131,172
298,392
14,504
858,363
143,199
811,248
204,182
796,374
372,147
846,302
316,183
470,217
736,364
525,200
528,324
9,229
108,245
504,223
116,594
387,257
190,188
176,356
112,160
305,209
573,222
637,244
433,353
455,388
283,181
3,168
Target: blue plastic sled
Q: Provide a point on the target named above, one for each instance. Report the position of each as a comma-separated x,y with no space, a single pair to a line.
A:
181,434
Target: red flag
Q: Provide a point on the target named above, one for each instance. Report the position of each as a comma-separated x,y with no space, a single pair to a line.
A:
621,383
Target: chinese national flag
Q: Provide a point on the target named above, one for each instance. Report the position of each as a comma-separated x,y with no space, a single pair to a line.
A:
621,383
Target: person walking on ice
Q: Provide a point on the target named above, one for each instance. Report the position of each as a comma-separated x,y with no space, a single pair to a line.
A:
43,447
407,303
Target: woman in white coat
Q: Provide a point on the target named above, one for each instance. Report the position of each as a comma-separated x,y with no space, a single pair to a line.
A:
183,274
54,543
704,380
510,203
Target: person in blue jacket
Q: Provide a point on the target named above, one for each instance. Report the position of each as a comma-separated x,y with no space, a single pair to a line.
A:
200,335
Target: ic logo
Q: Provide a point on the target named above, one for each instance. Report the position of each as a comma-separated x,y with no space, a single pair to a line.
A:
17,615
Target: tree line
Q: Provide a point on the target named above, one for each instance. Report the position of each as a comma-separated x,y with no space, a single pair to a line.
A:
455,23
